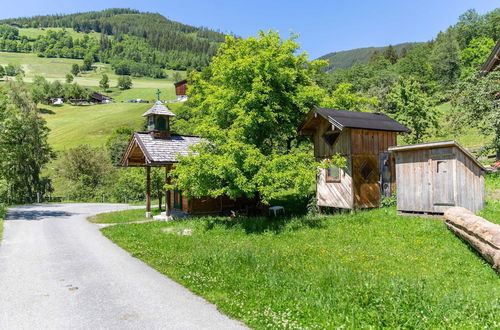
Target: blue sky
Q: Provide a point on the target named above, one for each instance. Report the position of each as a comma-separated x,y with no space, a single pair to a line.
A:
323,26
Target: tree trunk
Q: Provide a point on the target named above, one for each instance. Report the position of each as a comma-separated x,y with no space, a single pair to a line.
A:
481,234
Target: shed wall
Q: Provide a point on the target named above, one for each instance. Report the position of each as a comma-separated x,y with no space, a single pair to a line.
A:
422,188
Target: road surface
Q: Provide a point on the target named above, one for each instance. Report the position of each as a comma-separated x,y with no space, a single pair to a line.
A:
57,271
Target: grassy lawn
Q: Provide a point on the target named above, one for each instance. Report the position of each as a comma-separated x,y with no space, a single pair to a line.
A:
122,216
74,125
371,269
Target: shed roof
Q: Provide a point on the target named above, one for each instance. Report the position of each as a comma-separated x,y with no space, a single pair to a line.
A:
356,119
493,60
182,82
161,151
439,144
158,109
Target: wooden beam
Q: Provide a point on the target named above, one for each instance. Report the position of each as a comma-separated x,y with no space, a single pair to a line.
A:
148,192
167,192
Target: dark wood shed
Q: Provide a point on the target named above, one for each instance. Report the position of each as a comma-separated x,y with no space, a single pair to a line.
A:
363,138
181,87
434,176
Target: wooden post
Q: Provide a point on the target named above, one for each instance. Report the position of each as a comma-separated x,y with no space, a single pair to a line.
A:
148,192
167,192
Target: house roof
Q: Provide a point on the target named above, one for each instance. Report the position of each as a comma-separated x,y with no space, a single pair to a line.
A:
100,96
159,151
493,60
182,82
439,144
158,109
355,119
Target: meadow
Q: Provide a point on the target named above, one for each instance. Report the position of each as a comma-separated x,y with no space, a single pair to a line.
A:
372,269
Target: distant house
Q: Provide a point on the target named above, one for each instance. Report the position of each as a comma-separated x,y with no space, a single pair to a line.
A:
435,176
363,139
493,61
57,101
97,97
181,90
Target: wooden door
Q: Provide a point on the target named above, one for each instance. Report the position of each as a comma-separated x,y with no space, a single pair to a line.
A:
443,192
366,185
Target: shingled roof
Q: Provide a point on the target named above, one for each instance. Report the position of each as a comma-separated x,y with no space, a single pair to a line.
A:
158,109
157,151
356,119
493,60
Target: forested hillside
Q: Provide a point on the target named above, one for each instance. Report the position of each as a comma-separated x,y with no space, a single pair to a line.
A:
434,88
347,58
135,43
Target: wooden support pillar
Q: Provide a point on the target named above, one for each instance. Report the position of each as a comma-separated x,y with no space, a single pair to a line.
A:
148,192
167,192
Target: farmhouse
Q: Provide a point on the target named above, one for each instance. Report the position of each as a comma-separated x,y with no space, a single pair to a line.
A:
363,139
100,98
434,176
159,147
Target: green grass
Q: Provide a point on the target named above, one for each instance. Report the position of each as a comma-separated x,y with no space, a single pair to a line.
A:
122,216
33,33
74,125
372,269
3,212
57,68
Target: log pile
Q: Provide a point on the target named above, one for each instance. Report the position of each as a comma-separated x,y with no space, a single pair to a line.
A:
481,234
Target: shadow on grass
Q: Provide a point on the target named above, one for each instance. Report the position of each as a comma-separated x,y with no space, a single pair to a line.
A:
46,111
259,225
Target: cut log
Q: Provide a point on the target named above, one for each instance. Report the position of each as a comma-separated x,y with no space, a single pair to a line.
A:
481,234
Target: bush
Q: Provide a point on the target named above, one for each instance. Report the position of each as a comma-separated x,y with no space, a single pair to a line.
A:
388,201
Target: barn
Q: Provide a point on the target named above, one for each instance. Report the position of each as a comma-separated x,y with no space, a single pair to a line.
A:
434,176
363,139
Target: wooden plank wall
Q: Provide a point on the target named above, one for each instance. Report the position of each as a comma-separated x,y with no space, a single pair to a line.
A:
469,183
336,194
415,171
414,181
323,150
333,194
369,142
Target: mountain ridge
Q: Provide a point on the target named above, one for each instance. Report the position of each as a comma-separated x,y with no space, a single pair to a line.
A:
344,59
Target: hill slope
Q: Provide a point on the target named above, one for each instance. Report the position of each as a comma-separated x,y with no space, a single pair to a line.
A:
347,58
148,38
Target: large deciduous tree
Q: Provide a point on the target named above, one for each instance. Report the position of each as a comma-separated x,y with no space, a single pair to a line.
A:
412,107
476,103
23,145
248,103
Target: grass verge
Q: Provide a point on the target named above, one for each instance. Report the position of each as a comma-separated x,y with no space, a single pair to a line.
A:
3,213
370,269
122,216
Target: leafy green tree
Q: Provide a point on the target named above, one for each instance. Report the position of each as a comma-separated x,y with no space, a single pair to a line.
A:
474,56
345,98
412,107
12,70
40,90
75,69
2,71
86,170
23,145
476,103
248,103
390,54
104,82
87,62
117,143
416,64
69,78
124,82
445,59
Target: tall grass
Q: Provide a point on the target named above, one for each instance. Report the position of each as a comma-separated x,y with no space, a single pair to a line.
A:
371,269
